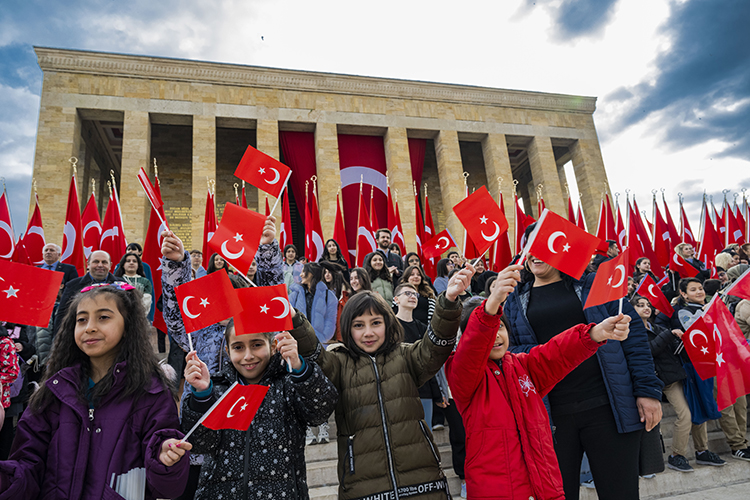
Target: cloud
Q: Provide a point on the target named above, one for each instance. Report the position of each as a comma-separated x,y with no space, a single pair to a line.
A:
702,89
576,18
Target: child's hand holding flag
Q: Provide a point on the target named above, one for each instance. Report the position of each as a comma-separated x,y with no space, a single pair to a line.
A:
286,345
196,372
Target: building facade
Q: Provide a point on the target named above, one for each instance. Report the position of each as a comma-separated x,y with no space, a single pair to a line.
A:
116,113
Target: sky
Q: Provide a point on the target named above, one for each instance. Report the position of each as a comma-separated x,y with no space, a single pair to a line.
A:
672,77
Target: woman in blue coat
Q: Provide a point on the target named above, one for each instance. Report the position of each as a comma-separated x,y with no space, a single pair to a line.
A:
601,407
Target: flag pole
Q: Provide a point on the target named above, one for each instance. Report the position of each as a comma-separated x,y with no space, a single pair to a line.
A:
619,311
278,198
532,237
203,417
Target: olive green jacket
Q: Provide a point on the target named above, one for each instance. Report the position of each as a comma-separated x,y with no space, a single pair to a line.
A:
383,442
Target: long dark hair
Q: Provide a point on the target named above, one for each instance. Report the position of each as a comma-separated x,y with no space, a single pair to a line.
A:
442,268
327,256
212,267
383,274
364,279
424,289
338,282
409,256
316,275
372,303
121,266
134,348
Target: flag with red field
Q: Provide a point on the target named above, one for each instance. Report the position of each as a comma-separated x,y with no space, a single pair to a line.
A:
7,236
700,346
501,255
610,281
482,218
92,227
236,408
365,238
265,309
394,224
682,267
741,286
686,233
152,254
27,293
72,247
580,221
262,171
339,234
711,242
209,225
315,250
562,245
238,236
438,245
207,300
648,289
285,231
33,239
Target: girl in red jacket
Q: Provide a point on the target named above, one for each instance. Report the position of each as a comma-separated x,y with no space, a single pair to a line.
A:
509,450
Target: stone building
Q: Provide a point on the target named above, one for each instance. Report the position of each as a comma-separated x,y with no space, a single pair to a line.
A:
117,112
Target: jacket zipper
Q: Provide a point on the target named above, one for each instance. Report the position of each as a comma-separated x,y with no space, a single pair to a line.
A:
349,457
432,447
385,429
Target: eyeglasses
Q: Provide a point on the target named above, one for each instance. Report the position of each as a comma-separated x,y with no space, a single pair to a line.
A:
409,293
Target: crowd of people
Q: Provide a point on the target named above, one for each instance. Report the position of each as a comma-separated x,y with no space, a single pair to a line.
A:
528,380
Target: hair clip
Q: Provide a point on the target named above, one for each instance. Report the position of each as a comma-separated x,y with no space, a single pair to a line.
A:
117,284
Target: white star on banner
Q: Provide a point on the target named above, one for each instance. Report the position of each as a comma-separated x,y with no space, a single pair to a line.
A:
205,302
720,359
12,292
243,407
483,219
261,170
704,350
566,247
264,309
237,237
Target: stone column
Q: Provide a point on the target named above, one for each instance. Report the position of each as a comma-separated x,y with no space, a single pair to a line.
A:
204,165
450,172
136,151
590,177
544,171
497,166
399,176
329,175
56,142
267,140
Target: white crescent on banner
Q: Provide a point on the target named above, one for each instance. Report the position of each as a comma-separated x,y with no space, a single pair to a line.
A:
447,242
6,227
621,268
185,308
35,230
674,259
229,254
109,233
623,234
716,330
69,238
91,225
650,291
552,238
287,307
352,175
494,235
276,177
318,242
368,236
700,334
229,413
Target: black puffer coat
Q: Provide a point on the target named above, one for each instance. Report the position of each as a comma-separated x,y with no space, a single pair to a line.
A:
270,455
663,344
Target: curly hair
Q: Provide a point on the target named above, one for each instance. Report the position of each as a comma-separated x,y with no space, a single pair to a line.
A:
134,348
367,302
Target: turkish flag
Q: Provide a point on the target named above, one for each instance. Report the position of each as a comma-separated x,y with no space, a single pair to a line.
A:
365,239
33,239
339,234
580,221
268,208
700,347
155,200
394,224
113,234
238,236
207,300
732,355
27,294
639,242
562,245
20,255
72,248
622,233
605,227
262,171
674,236
648,289
429,225
682,267
7,236
244,197
316,247
419,227
610,282
285,233
235,408
482,218
741,286
661,239
438,245
735,233
571,212
500,256
685,231
209,225
265,309
152,254
92,227
711,242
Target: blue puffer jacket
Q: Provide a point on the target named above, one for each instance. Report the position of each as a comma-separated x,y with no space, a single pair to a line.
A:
324,309
627,367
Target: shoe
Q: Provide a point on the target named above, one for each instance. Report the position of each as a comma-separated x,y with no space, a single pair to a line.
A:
323,433
463,489
649,476
438,427
743,454
708,458
310,437
680,463
588,484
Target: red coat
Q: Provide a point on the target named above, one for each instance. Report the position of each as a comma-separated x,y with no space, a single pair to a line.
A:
509,450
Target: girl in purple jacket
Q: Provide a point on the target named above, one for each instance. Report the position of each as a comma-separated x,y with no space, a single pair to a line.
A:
103,410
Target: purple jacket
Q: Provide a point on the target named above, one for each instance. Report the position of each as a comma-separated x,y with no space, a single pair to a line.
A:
62,453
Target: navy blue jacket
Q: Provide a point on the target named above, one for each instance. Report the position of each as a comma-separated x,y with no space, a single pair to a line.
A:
627,367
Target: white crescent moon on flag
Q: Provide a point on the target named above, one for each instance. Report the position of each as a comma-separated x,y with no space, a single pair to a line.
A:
621,268
276,177
494,235
368,236
229,254
35,230
699,333
109,233
69,238
91,225
318,242
229,413
716,330
185,308
447,242
674,259
5,227
552,238
651,292
286,306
